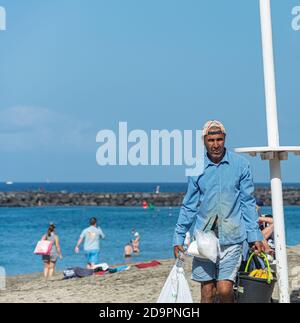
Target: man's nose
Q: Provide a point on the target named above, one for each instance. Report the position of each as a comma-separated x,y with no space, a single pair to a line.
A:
216,145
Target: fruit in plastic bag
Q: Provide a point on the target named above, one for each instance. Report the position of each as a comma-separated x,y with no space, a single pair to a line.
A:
208,245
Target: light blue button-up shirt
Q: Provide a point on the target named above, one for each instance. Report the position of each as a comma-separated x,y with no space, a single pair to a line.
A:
223,190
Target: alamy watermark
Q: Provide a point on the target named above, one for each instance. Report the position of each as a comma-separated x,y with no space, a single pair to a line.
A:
138,148
2,19
296,19
2,278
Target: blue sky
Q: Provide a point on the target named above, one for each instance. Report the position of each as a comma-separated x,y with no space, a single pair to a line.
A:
70,68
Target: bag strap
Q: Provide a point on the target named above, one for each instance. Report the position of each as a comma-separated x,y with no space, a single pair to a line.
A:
265,258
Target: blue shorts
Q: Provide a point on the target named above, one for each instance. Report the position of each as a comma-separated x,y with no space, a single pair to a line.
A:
225,268
92,256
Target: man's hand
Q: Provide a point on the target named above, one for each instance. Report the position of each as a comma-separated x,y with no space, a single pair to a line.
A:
258,247
178,249
77,249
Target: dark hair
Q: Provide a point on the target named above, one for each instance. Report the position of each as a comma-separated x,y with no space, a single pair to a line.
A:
93,221
259,202
50,229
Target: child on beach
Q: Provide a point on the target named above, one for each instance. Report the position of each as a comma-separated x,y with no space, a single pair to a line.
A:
50,260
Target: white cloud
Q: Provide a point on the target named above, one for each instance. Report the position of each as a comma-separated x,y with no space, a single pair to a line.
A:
30,129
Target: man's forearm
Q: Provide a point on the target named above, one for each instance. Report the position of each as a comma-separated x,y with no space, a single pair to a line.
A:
79,243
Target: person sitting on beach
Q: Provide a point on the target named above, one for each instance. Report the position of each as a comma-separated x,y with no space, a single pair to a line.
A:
128,250
91,237
135,240
50,260
266,225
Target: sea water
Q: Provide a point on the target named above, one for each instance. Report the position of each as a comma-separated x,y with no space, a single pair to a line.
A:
21,228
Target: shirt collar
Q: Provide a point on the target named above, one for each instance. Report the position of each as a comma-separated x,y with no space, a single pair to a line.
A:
225,159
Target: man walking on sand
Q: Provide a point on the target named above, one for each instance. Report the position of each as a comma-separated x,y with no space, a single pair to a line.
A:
220,199
91,237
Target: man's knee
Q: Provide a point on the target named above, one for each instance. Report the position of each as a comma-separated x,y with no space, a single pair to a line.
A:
208,289
225,289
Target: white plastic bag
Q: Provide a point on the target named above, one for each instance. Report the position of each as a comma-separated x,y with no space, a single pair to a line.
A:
176,288
193,250
208,245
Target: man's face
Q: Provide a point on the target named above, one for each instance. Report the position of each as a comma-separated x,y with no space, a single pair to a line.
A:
215,145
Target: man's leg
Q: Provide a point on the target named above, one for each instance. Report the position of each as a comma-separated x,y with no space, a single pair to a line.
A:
208,291
225,291
204,272
229,264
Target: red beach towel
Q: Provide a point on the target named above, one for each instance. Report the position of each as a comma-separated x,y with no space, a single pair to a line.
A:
143,265
101,273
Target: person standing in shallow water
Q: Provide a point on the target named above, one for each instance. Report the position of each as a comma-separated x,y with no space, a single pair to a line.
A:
135,240
91,237
50,260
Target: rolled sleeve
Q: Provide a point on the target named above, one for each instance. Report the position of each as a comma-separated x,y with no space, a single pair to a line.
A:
187,212
248,204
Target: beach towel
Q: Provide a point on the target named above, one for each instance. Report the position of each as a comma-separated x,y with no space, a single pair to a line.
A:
143,265
112,270
118,269
77,272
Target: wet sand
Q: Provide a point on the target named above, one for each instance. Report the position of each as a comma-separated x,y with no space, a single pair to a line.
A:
132,286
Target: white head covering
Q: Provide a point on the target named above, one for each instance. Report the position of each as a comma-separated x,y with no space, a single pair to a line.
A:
213,124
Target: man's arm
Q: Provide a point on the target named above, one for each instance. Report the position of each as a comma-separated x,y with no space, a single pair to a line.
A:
78,244
187,215
268,231
101,233
250,216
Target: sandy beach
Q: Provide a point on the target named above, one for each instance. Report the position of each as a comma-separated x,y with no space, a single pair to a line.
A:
132,286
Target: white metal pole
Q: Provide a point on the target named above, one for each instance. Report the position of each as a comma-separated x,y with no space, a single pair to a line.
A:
269,73
273,141
279,231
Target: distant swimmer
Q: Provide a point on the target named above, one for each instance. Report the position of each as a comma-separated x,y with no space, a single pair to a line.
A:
128,250
135,240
